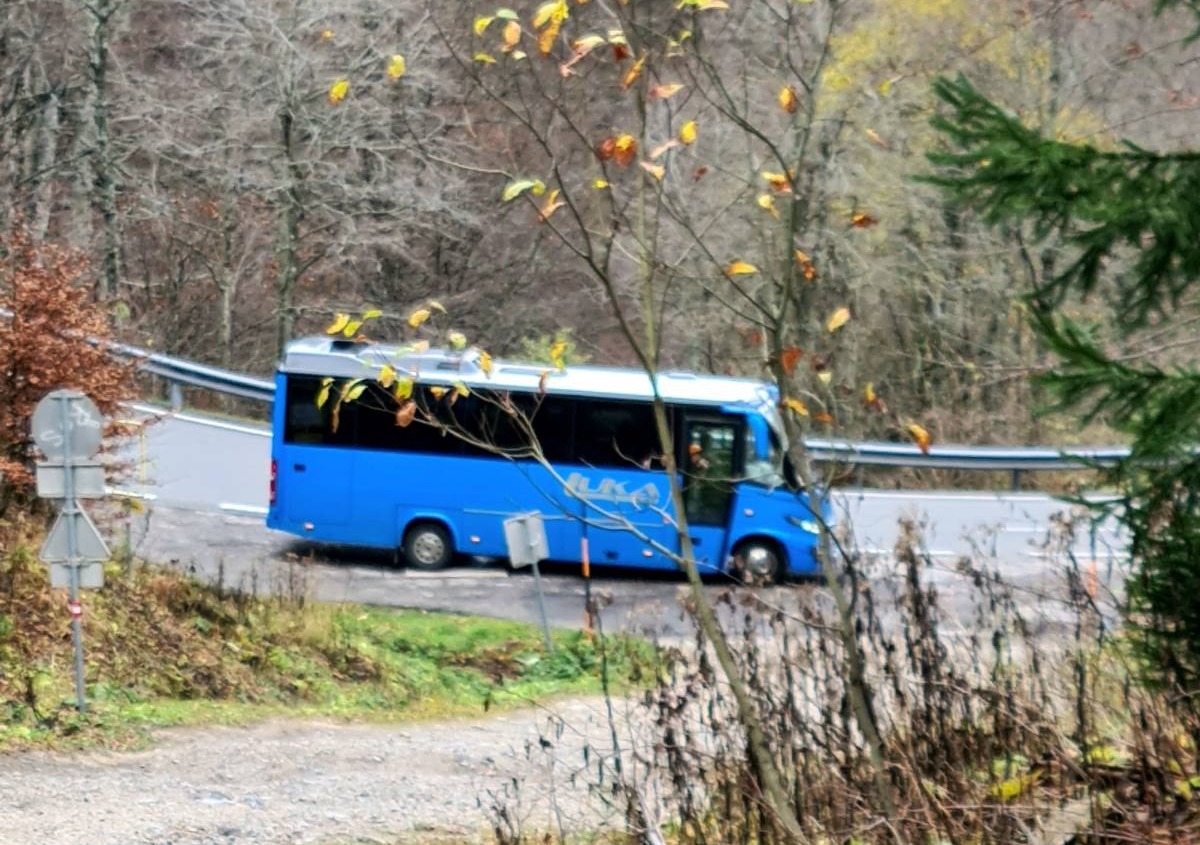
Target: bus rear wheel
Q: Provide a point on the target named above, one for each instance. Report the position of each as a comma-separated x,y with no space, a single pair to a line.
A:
428,546
759,562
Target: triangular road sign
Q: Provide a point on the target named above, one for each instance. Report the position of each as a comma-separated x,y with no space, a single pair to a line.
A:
89,545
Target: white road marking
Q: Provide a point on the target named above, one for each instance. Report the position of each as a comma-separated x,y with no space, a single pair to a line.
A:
234,507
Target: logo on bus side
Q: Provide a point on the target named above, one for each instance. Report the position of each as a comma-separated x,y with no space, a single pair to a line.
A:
611,490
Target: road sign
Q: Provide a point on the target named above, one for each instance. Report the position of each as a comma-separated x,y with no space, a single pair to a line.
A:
89,545
52,479
526,539
91,577
75,432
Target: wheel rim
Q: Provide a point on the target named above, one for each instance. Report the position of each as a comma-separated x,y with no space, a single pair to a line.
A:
428,548
759,562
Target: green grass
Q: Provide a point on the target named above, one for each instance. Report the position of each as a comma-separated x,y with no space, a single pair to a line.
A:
162,650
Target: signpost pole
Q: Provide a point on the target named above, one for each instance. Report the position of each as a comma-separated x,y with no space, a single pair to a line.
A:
70,509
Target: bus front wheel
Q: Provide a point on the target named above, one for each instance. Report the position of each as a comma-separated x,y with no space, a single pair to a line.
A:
428,546
759,562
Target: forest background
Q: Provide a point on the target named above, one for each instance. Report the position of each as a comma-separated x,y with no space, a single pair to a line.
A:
229,192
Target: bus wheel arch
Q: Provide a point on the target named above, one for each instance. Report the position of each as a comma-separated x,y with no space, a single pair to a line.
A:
760,560
428,545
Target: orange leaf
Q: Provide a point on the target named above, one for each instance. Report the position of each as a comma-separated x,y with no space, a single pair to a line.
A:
546,38
779,182
869,396
920,436
788,101
625,149
551,205
620,52
405,413
790,357
606,148
542,382
873,136
806,265
512,34
631,75
823,417
837,319
663,92
862,220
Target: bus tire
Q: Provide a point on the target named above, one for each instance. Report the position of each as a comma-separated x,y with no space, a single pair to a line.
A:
427,546
759,562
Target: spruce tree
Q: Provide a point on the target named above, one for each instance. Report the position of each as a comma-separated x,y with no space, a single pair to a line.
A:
1124,224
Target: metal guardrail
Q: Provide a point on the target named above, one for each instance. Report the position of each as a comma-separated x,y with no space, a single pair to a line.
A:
178,372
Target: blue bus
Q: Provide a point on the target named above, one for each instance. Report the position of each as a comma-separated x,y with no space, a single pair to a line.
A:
442,483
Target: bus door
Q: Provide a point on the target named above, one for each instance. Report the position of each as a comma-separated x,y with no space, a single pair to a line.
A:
709,466
314,481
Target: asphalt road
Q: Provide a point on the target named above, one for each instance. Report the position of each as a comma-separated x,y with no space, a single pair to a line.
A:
208,483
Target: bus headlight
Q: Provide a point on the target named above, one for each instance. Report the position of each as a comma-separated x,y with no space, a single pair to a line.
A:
810,526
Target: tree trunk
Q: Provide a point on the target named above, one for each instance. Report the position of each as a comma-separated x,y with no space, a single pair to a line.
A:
105,196
289,236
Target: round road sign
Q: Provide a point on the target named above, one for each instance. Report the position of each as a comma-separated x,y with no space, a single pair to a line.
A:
75,435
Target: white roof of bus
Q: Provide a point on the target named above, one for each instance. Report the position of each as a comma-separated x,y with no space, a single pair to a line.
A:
344,359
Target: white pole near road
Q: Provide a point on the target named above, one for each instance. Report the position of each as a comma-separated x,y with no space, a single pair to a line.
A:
70,510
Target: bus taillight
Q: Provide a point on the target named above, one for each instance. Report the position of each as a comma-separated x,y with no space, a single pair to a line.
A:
274,479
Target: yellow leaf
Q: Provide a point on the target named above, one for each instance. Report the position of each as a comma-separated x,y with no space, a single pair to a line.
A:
323,393
326,34
557,351
387,376
516,56
339,323
484,58
617,36
740,268
585,44
687,133
418,317
655,170
338,90
371,314
788,101
869,396
403,388
874,138
517,187
437,306
460,389
438,392
837,319
554,12
419,347
920,436
599,184
767,203
825,377
796,407
510,36
351,328
485,363
482,22
631,75
396,67
1007,790
663,92
356,391
458,340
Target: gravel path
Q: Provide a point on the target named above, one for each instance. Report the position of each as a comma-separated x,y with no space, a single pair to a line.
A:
305,782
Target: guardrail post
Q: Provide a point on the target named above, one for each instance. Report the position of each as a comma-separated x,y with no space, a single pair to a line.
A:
176,396
1016,480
